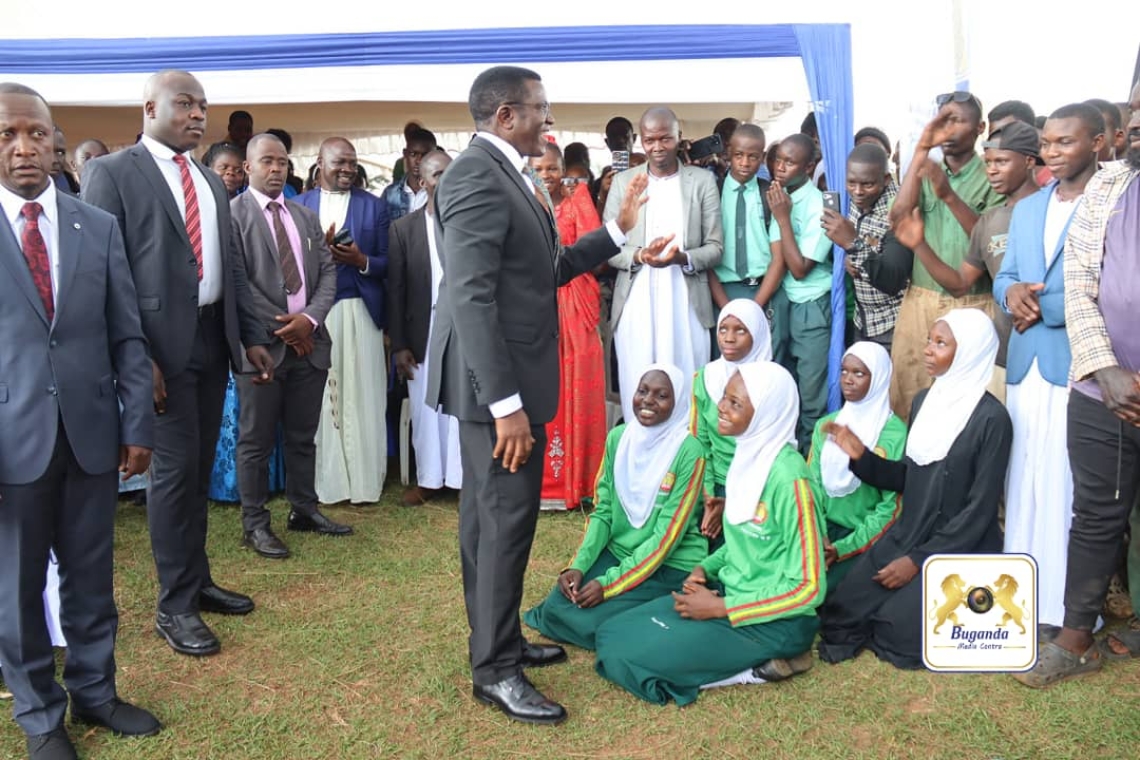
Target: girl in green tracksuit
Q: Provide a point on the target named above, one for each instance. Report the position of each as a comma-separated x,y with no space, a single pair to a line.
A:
643,538
753,602
742,335
857,513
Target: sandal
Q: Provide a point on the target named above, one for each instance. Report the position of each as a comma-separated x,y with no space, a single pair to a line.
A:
1128,637
1056,664
781,669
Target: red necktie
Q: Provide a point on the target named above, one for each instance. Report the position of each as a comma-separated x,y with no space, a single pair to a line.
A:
193,216
35,251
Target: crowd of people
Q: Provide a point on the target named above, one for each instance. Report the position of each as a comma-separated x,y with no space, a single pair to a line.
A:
239,331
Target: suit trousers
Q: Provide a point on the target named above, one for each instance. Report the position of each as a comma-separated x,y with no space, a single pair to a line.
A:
185,439
73,512
293,399
498,511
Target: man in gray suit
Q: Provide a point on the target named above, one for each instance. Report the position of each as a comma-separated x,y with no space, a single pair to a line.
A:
662,307
292,282
72,349
493,363
196,312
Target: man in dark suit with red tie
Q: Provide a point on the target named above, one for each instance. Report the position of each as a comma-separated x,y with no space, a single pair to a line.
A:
194,301
73,349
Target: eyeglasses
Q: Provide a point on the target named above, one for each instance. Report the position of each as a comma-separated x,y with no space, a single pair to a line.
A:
957,97
542,108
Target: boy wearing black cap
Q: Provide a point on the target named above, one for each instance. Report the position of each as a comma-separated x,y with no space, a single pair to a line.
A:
1012,155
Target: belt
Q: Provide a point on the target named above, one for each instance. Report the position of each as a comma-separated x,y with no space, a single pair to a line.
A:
752,282
210,311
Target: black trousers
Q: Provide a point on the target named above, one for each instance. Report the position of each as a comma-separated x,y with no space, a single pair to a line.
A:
498,510
1104,454
185,438
294,399
73,512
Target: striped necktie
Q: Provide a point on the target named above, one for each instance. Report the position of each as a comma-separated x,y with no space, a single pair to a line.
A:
193,214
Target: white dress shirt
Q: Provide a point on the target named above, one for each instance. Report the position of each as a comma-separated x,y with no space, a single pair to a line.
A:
13,206
210,286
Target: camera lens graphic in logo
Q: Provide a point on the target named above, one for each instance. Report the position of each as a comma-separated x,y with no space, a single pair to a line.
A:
980,599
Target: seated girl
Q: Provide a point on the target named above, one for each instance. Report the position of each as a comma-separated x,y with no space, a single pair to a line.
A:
857,513
753,601
951,481
642,539
743,336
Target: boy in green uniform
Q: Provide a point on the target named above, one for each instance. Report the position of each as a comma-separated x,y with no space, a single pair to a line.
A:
857,513
801,308
643,537
752,601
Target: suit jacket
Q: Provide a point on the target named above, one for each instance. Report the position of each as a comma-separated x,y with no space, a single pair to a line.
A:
81,365
367,220
704,239
130,185
1047,341
409,284
496,320
257,247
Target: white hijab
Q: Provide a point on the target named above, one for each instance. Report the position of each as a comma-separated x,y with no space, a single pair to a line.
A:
776,402
717,373
644,454
865,418
955,395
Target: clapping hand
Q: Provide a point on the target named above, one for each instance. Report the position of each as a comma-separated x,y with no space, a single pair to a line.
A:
910,230
632,202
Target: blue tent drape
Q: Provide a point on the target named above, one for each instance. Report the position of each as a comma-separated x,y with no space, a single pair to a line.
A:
825,50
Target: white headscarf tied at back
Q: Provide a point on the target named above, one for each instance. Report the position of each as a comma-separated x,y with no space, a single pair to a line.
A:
644,453
865,418
717,373
955,395
776,402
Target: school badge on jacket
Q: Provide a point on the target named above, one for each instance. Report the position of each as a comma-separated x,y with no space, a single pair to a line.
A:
979,612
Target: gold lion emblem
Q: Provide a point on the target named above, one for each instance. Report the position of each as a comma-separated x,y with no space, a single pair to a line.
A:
1004,589
955,590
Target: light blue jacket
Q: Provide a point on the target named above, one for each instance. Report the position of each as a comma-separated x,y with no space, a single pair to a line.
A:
1024,261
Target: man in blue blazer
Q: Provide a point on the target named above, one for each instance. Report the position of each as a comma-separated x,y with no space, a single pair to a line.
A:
1031,288
352,458
73,349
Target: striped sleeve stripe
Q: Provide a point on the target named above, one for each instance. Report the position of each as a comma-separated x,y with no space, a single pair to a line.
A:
649,565
694,415
877,536
808,589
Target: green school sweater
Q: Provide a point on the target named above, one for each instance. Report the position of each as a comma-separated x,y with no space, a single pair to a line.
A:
718,449
867,511
772,566
671,536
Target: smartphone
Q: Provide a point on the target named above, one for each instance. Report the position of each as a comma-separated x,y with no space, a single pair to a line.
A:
705,147
831,201
344,237
619,159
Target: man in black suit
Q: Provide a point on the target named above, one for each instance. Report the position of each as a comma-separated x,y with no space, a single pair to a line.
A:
292,279
73,348
493,363
196,310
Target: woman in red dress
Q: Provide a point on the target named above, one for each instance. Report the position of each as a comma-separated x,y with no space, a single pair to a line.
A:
576,437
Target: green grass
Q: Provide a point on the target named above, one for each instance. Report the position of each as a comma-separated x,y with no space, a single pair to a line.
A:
357,649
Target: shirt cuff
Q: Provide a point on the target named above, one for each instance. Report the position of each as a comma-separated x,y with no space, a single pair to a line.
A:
688,267
506,407
616,234
367,267
316,324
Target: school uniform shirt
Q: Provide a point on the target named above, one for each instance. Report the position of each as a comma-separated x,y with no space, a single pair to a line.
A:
718,448
867,511
759,250
670,536
772,566
807,211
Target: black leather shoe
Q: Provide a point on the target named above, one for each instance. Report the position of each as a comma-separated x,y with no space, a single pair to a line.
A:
123,718
265,543
187,634
317,523
54,745
781,670
224,602
519,700
541,655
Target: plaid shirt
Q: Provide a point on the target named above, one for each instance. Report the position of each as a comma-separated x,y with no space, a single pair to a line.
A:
1084,256
875,311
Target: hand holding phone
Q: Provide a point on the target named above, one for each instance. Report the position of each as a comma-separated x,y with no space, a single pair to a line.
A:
343,238
831,201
